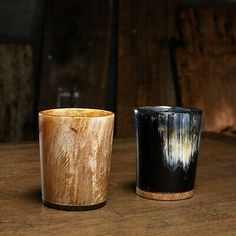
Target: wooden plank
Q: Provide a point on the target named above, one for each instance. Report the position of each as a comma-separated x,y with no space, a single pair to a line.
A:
18,19
206,65
208,29
17,98
76,54
209,84
211,211
144,68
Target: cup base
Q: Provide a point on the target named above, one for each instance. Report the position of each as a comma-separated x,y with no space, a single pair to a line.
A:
74,208
164,196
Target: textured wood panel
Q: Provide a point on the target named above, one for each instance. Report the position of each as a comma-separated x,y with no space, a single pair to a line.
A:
144,68
206,65
17,97
76,53
212,211
208,29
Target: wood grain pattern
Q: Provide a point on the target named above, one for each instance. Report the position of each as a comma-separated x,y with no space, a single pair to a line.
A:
206,65
165,196
144,68
75,153
17,95
212,210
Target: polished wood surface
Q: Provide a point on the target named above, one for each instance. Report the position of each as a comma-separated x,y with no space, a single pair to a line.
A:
212,210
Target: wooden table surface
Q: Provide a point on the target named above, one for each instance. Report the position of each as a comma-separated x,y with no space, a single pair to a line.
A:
212,211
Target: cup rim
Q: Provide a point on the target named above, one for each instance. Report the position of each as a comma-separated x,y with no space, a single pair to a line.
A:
87,113
167,109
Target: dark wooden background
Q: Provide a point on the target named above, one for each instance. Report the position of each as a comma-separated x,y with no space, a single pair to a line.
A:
112,55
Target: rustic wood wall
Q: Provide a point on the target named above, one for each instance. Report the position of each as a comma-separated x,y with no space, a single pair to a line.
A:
20,51
113,55
76,53
144,69
206,64
16,93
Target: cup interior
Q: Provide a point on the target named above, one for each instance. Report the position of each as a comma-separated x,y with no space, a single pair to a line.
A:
76,112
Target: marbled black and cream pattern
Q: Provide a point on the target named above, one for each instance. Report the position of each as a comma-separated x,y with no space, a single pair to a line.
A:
180,138
167,150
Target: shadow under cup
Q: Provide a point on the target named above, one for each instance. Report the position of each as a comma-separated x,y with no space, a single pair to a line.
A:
168,141
75,156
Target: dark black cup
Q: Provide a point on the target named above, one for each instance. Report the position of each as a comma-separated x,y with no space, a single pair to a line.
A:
168,141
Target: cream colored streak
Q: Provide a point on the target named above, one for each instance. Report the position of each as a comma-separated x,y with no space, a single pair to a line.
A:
179,150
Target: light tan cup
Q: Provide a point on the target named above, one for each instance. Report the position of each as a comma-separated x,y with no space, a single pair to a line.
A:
75,156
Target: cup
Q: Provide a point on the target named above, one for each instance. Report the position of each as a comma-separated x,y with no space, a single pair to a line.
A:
75,156
167,141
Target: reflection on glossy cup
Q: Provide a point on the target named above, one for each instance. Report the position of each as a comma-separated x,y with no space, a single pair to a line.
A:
75,155
168,141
